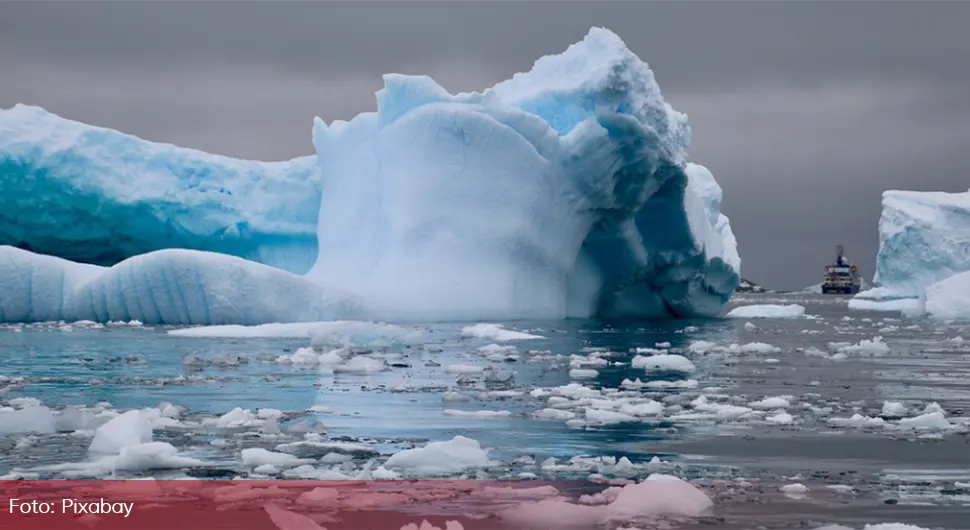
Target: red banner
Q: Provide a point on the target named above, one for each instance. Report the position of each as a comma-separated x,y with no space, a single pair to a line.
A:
263,505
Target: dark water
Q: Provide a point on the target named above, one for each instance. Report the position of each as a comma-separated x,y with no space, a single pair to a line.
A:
898,475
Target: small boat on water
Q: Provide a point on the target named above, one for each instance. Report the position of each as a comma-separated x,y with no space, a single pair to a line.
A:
841,277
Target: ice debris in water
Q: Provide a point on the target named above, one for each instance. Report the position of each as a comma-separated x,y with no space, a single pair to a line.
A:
893,409
30,419
336,334
131,428
657,496
767,311
495,332
664,363
865,346
257,457
440,458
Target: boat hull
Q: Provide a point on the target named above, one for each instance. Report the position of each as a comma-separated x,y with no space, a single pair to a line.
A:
848,289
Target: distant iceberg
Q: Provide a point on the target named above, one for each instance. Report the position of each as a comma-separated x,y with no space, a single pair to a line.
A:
99,196
924,240
564,191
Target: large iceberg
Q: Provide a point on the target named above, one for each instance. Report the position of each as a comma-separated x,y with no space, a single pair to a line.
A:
924,237
99,196
564,191
924,251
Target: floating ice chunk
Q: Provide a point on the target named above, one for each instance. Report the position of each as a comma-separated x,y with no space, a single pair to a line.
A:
440,458
496,350
152,455
758,348
486,414
930,421
659,384
314,448
858,420
555,414
30,419
140,457
770,403
72,418
796,491
720,411
782,418
767,311
664,363
701,346
902,305
362,364
583,374
129,429
308,357
464,369
256,456
608,417
495,332
237,417
893,409
646,408
657,496
865,346
363,335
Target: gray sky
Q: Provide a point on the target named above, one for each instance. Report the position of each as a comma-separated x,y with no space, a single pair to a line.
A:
804,111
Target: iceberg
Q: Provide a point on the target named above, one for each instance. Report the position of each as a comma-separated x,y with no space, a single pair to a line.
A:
95,195
172,286
924,239
562,192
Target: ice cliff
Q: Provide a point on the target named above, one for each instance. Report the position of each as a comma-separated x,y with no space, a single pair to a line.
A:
564,191
924,241
98,196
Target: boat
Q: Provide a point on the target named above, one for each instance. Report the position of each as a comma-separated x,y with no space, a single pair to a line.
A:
841,277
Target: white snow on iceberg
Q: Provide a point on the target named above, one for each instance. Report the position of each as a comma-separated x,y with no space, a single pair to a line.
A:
95,195
564,191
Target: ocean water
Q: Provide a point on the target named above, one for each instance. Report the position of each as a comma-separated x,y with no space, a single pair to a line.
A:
714,426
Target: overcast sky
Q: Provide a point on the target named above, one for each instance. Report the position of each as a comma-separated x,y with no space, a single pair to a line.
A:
804,111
